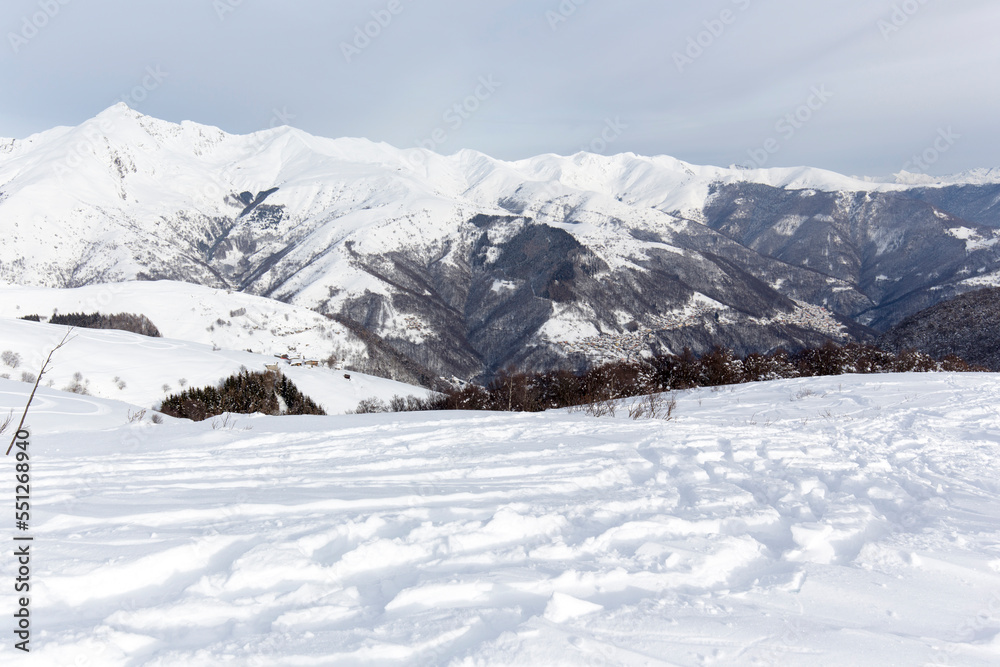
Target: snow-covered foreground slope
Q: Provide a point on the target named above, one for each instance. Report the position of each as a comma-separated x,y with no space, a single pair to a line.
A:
143,371
836,521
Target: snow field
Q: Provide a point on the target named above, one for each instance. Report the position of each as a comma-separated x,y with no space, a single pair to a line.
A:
831,521
225,319
143,371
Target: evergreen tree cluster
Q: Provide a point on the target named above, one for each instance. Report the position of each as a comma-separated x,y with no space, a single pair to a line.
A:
534,392
138,324
243,393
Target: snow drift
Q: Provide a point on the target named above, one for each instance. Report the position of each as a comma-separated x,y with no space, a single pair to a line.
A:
830,521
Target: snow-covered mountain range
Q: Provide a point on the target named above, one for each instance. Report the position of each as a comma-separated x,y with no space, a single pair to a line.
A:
467,264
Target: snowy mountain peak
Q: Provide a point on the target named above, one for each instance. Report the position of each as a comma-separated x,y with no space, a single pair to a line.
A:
120,110
980,176
478,255
119,124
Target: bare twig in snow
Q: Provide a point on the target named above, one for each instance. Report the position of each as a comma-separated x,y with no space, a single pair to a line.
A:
45,367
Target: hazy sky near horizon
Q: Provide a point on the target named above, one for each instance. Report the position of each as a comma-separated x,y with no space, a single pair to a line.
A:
857,86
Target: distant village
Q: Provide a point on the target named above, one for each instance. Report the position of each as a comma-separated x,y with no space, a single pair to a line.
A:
633,345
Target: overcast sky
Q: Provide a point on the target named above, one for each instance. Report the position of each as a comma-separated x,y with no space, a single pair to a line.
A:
868,83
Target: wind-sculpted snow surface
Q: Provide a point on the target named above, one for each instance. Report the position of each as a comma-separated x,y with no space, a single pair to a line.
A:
835,521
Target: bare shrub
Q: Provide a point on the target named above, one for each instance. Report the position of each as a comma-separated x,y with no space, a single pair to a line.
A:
78,385
225,421
416,404
369,406
653,406
11,358
604,407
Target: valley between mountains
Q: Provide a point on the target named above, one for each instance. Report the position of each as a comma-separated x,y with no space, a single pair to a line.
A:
463,265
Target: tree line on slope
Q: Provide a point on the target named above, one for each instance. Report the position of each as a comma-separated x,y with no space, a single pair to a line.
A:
511,391
537,391
139,324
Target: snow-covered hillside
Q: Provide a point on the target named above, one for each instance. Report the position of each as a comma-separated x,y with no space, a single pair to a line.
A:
462,263
225,319
142,371
835,521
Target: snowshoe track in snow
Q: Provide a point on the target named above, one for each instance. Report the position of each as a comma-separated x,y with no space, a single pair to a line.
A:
821,521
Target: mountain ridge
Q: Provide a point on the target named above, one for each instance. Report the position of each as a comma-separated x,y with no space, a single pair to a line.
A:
468,264
775,176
